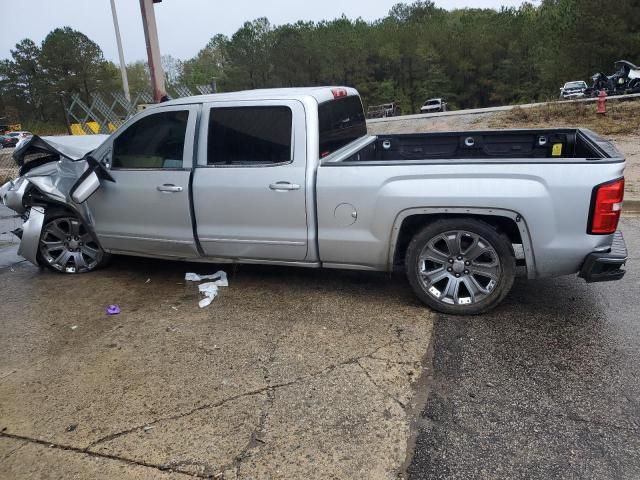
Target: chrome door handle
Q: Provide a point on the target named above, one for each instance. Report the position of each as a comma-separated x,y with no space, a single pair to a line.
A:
284,186
169,187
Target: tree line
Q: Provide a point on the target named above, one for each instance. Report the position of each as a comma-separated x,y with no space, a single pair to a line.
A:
472,57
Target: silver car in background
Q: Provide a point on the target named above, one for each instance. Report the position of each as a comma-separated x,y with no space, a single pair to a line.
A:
572,90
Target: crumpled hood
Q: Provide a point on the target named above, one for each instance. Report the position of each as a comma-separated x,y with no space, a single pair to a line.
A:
73,147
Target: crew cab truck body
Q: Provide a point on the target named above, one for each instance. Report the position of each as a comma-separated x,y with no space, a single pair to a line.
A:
290,177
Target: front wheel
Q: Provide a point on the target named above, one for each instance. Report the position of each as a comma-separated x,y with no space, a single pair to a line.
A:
460,266
66,246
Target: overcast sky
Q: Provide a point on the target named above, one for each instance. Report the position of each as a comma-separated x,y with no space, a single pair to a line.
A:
184,26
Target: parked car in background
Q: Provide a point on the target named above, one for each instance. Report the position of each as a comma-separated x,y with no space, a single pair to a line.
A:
7,141
20,134
573,89
630,74
626,79
291,177
434,105
385,110
22,141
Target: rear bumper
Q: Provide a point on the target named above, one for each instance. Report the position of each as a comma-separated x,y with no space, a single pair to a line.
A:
606,266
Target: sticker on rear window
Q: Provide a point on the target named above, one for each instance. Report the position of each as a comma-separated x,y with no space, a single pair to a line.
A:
556,150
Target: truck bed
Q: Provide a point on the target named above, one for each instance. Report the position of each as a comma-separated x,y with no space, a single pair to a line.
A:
511,172
499,146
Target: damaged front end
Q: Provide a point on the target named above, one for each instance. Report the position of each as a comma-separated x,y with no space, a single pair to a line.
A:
57,173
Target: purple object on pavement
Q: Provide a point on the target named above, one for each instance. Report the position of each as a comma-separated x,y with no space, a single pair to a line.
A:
113,310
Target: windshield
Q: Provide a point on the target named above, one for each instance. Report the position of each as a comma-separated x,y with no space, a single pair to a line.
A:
574,85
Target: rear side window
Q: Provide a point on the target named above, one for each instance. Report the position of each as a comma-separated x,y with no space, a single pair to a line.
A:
341,122
249,136
155,141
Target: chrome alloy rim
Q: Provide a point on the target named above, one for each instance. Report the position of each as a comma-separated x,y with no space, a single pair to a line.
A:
68,247
459,267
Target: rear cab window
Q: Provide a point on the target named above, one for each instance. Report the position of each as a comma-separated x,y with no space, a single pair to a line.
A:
341,121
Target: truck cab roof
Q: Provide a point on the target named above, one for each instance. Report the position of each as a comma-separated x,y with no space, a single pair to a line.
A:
320,94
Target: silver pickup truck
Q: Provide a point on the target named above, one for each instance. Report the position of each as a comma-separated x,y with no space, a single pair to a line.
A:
291,177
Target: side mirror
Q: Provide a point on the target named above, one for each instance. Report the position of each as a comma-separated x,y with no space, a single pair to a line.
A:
85,187
89,181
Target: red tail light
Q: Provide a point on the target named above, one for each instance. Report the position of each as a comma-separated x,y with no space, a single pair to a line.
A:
339,92
606,205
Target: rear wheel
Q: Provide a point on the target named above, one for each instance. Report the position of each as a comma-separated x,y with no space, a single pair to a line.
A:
460,266
67,246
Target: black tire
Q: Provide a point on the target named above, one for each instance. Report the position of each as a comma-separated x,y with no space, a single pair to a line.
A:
422,272
83,253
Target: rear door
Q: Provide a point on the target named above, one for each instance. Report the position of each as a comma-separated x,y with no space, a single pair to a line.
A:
146,210
249,186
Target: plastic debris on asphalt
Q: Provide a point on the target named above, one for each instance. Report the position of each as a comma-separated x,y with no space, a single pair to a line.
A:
209,289
113,310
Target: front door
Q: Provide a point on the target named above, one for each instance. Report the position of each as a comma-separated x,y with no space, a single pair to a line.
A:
146,211
249,188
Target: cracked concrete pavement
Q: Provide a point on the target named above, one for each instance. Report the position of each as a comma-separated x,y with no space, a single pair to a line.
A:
290,373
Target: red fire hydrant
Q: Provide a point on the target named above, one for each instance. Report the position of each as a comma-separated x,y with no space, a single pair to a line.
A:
602,102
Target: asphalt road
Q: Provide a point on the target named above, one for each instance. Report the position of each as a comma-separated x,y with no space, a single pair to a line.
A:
547,386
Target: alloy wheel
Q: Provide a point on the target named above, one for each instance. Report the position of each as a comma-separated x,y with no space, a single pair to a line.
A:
68,247
459,267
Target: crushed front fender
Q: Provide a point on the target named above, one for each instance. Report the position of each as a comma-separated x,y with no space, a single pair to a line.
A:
31,231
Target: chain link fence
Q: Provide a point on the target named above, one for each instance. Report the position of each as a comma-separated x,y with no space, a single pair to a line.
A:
9,220
103,113
8,167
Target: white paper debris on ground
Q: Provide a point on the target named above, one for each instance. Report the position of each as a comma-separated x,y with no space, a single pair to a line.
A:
210,291
220,278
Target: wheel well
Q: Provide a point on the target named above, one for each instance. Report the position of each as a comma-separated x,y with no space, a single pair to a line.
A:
33,197
55,209
414,223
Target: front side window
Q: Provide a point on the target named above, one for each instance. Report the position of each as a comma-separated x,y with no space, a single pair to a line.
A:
155,142
249,135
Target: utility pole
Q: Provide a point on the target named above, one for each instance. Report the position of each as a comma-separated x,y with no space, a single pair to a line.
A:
123,68
153,49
